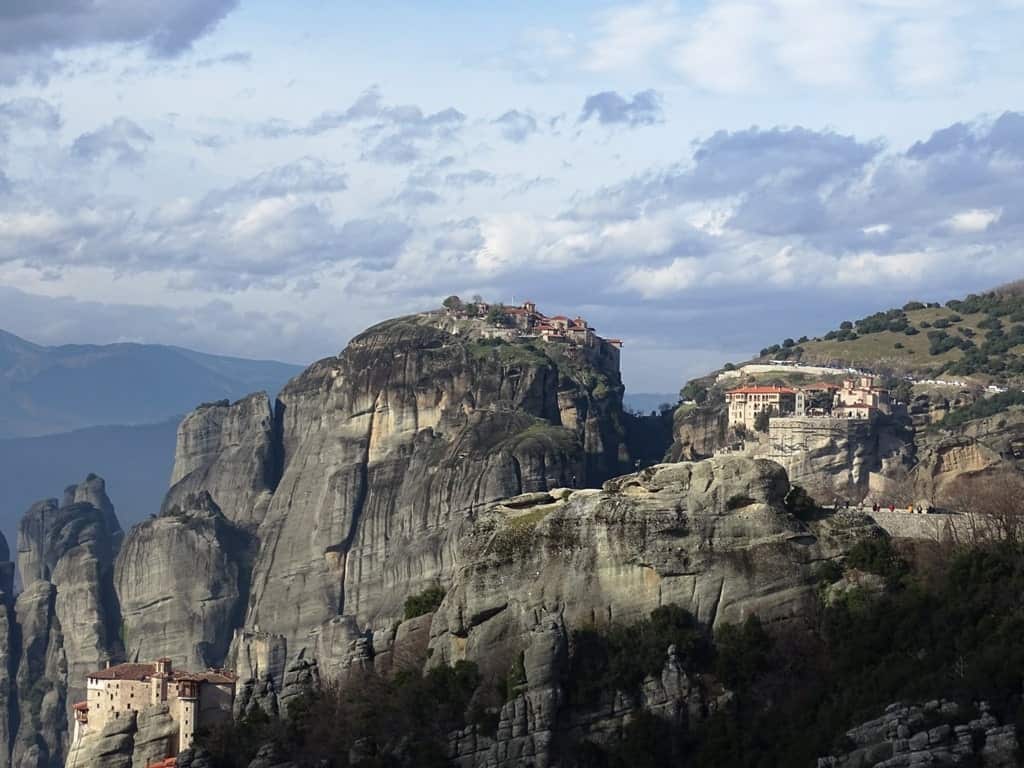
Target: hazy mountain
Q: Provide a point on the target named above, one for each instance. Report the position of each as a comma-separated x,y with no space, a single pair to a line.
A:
49,390
135,461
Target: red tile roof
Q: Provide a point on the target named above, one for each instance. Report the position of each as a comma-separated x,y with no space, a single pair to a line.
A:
125,672
82,706
140,672
762,391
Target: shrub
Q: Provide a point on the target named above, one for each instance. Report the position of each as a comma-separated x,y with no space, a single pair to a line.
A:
619,658
877,555
427,601
763,418
741,652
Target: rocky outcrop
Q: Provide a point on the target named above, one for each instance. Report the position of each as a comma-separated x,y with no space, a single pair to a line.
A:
68,616
9,642
699,432
935,733
976,449
229,451
392,447
712,537
839,458
183,583
112,747
136,740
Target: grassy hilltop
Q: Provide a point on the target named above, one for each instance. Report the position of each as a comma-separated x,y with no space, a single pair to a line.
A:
981,336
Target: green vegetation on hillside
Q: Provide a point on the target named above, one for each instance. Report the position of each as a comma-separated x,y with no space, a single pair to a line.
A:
948,625
988,406
982,334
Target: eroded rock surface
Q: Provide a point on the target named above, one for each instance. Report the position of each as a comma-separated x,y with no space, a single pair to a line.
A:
934,733
712,537
392,447
68,614
183,582
229,451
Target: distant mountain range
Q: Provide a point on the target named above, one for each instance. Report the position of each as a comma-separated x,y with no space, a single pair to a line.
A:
112,410
48,390
135,461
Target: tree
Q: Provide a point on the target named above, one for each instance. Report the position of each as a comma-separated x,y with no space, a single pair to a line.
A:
696,391
846,325
454,303
497,316
788,343
763,418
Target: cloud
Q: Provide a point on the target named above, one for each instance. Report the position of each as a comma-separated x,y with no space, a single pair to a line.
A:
274,226
976,220
308,175
628,35
212,141
737,46
214,326
235,57
475,177
32,32
122,141
609,108
516,126
395,134
28,114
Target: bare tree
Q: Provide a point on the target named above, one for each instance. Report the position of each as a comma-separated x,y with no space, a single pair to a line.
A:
989,508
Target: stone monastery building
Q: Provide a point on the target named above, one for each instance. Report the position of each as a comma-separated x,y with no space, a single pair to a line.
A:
193,699
859,399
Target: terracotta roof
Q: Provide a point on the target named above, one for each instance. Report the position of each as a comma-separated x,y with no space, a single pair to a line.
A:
82,706
124,672
216,678
762,391
140,672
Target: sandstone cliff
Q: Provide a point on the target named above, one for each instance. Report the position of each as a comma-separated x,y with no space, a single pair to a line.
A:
391,448
712,537
228,451
68,620
182,581
9,642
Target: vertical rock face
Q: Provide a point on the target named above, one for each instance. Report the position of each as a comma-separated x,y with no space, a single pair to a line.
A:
183,581
390,448
713,537
68,617
9,637
228,451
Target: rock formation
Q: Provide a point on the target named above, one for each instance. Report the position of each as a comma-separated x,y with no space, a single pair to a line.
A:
712,537
228,451
700,432
391,448
67,616
183,581
935,733
9,642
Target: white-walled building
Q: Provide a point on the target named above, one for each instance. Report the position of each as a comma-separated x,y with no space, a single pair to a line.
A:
746,403
193,699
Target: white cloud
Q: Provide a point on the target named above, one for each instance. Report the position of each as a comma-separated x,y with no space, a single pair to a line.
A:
629,35
977,220
926,54
659,282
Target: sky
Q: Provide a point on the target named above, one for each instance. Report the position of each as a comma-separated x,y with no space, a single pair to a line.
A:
700,179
